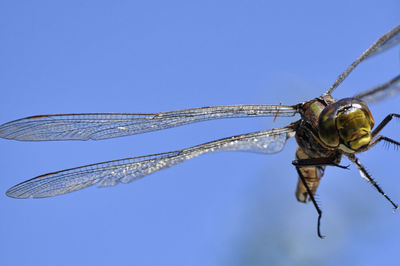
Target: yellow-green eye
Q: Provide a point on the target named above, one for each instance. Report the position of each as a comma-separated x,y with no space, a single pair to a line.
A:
327,125
346,124
354,128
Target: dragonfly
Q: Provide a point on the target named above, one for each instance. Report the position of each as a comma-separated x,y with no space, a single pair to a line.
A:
327,130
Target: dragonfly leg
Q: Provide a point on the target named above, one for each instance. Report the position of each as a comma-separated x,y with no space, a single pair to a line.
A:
386,139
303,180
384,123
364,173
318,162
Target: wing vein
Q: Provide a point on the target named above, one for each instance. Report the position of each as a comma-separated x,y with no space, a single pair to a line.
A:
127,170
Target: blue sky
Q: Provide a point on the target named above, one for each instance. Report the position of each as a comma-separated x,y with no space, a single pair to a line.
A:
218,209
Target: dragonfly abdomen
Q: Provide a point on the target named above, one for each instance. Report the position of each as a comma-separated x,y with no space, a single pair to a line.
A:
312,176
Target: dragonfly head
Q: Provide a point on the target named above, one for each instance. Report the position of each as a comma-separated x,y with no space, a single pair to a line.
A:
346,124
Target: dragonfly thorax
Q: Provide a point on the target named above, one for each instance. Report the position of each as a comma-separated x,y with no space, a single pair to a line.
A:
346,124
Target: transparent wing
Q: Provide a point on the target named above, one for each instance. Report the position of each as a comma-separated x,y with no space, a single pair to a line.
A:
381,92
385,42
110,125
127,170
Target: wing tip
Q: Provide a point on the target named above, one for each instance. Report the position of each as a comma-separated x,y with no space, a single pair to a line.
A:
13,192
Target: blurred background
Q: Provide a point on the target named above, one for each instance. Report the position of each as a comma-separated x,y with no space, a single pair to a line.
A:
218,209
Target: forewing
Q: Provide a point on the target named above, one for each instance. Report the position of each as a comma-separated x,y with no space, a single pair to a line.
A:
385,42
381,92
98,126
127,170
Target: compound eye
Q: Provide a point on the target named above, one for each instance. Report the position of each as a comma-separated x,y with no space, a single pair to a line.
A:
327,130
354,127
346,124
